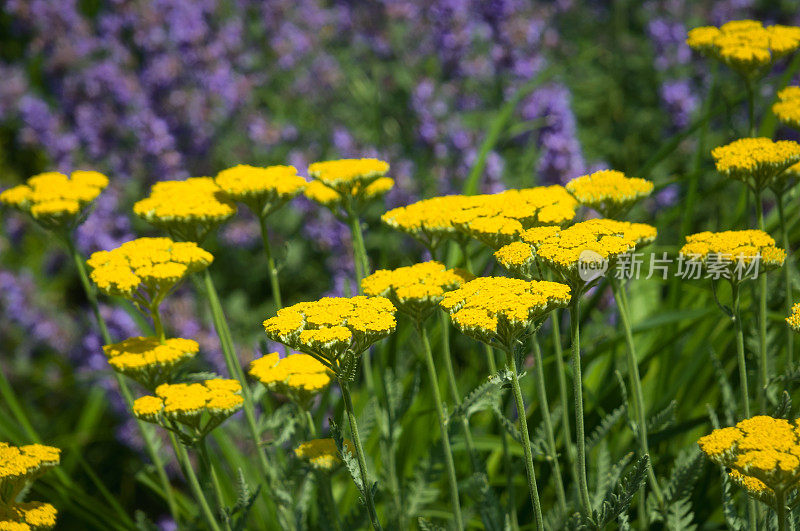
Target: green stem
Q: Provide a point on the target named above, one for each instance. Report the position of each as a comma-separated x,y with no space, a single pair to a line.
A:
387,427
737,321
787,280
148,433
780,503
562,391
751,104
235,370
577,389
763,369
365,486
548,425
323,480
636,384
437,398
272,270
202,449
194,484
526,440
362,270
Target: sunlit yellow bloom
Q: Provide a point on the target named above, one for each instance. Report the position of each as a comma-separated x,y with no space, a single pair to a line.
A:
55,200
146,269
794,318
415,290
333,328
263,190
187,210
728,250
18,467
147,360
321,454
327,196
756,161
27,516
745,45
344,175
787,108
609,191
760,449
430,220
298,376
499,310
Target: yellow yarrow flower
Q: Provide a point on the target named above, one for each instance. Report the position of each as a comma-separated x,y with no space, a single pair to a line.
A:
727,252
187,210
430,220
147,360
499,311
334,329
325,195
27,516
756,161
745,45
414,290
299,376
263,190
55,200
787,108
18,467
760,451
200,407
609,192
146,269
321,454
794,318
345,175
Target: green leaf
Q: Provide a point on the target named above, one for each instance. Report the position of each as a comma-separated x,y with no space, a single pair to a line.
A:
492,514
663,419
485,396
679,516
606,423
427,525
350,461
784,408
620,498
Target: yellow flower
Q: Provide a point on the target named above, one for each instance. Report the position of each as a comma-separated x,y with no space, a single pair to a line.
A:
756,161
414,290
333,328
759,449
564,250
27,516
299,376
499,310
55,200
201,407
745,45
727,252
356,198
787,108
187,210
794,318
345,175
609,191
147,360
18,467
321,454
263,190
429,220
146,269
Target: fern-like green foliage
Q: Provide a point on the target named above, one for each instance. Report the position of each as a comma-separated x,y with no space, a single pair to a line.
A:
605,426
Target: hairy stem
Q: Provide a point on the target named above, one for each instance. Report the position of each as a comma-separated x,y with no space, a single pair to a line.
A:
194,485
787,281
737,321
763,368
563,393
202,449
271,269
577,389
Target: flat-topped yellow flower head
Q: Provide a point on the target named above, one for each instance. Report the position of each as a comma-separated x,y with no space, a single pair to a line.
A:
147,360
499,310
321,454
299,376
566,250
346,174
334,329
731,253
55,200
794,318
761,448
144,270
745,45
756,161
201,407
186,210
430,220
415,290
263,190
27,516
610,192
787,108
358,197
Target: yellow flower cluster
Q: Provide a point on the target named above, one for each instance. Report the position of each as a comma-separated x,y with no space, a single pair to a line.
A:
332,326
609,191
762,452
745,45
756,161
18,467
187,210
415,290
325,195
55,200
263,190
794,318
321,454
730,249
494,219
186,404
787,108
145,269
499,309
147,360
345,174
299,376
564,250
